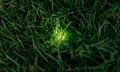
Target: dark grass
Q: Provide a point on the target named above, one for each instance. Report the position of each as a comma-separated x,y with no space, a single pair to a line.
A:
27,26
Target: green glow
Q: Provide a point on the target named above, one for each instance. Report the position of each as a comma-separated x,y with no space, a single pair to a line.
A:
59,35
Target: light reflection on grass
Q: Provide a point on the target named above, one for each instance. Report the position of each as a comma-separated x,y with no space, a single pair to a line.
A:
59,35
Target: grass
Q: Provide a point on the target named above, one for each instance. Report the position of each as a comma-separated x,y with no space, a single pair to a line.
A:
59,35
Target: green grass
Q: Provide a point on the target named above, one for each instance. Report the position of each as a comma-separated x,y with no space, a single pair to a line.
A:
59,35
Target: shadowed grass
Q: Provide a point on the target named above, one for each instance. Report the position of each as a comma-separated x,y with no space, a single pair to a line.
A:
59,35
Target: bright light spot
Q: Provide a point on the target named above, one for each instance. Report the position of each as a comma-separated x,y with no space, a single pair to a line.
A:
59,34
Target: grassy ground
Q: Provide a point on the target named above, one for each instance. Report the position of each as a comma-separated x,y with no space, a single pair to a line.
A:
59,35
